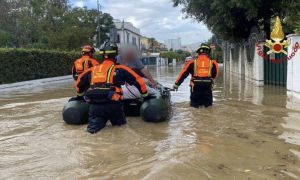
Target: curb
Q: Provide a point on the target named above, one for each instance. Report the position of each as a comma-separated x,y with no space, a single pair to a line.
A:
35,83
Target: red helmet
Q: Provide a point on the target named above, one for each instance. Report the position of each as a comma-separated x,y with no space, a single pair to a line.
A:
87,49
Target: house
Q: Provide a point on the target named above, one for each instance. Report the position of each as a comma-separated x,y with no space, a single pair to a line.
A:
151,45
127,34
154,59
145,44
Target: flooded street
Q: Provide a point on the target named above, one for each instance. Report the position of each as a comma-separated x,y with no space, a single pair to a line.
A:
250,133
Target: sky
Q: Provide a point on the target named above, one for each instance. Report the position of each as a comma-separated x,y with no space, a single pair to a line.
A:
155,18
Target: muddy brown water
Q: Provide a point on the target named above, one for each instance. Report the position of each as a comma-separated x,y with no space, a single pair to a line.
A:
250,133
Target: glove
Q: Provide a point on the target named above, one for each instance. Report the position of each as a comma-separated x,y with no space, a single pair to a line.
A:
147,98
79,98
73,99
175,87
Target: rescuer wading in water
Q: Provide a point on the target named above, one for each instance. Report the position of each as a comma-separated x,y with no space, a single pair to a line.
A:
203,70
85,62
101,86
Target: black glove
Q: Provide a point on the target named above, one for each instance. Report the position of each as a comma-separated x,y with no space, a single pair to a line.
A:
79,98
175,87
147,98
72,99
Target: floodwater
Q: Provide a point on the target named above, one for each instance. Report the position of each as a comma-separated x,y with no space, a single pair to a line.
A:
250,133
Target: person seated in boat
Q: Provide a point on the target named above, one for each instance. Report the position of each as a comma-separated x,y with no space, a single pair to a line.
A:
131,92
129,58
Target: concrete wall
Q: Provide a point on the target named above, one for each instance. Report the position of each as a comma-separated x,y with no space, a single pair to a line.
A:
161,61
241,65
293,69
258,68
237,62
152,60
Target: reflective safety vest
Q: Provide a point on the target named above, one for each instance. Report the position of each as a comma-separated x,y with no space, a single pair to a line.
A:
81,65
202,67
84,63
102,74
102,82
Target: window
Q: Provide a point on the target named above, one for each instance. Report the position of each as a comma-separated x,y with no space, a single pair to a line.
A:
118,38
127,38
134,41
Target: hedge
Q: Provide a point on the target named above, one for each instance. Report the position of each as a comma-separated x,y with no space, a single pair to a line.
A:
28,64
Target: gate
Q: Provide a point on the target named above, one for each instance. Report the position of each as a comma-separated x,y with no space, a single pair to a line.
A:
275,69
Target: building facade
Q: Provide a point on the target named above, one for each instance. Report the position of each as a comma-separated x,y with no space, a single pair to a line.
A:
174,44
128,35
154,59
151,45
145,44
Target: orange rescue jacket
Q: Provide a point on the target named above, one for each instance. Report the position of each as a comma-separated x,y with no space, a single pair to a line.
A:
82,64
102,78
203,66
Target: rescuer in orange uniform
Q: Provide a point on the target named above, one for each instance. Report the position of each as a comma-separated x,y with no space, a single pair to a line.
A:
203,70
101,88
85,62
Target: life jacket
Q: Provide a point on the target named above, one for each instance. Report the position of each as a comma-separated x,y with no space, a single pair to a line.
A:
202,71
202,67
81,65
102,88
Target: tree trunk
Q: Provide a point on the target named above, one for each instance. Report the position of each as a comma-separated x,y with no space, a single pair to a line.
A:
267,27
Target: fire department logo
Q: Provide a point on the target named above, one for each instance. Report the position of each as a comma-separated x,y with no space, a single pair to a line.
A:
277,44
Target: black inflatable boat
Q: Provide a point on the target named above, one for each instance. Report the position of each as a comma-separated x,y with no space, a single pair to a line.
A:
156,109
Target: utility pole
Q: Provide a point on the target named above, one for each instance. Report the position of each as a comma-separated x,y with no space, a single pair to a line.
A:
98,21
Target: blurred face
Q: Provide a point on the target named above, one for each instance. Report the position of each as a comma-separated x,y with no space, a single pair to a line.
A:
129,56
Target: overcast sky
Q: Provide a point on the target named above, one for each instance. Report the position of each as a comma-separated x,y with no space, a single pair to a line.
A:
155,18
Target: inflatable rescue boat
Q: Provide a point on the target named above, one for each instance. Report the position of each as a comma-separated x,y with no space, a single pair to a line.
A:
157,109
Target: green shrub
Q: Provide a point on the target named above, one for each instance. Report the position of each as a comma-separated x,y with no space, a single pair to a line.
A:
28,64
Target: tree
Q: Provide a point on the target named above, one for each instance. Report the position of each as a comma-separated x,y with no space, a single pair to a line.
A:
293,23
217,53
232,20
170,55
49,24
10,12
106,22
179,54
77,27
5,38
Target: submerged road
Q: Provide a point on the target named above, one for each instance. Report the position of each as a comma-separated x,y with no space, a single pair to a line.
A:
250,133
